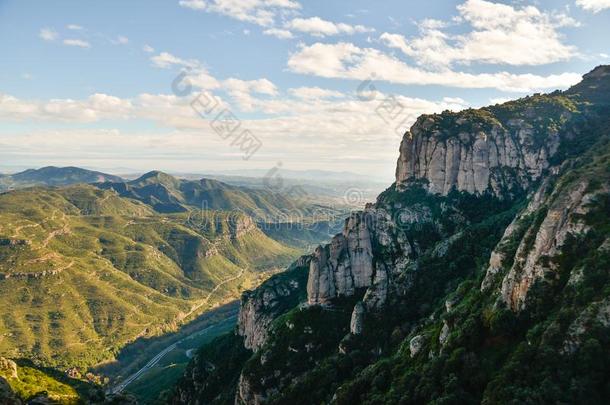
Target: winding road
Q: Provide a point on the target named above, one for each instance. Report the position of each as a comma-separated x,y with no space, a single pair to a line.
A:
155,360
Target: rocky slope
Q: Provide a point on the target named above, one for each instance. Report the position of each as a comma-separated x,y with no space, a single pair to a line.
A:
486,258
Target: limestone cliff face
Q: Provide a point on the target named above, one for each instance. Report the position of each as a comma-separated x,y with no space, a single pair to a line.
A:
475,152
346,264
555,214
260,307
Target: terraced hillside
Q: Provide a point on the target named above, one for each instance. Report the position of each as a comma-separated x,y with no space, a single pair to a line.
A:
83,271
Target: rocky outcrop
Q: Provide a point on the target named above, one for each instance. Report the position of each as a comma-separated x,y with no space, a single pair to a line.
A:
473,151
499,258
260,307
596,313
543,242
357,321
415,345
246,395
8,368
553,214
241,226
346,264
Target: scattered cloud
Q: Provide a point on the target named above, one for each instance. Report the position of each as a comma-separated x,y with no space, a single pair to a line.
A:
148,49
193,4
166,60
278,33
201,79
48,34
241,91
27,76
318,27
297,130
315,93
77,42
260,12
96,107
74,27
499,34
594,5
347,61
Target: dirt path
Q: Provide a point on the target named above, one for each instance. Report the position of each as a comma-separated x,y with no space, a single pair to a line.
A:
207,299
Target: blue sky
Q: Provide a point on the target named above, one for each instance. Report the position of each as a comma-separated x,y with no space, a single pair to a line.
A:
90,83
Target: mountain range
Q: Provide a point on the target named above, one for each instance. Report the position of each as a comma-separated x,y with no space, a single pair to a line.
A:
86,269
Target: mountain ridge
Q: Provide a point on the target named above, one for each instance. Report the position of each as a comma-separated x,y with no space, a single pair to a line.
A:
54,176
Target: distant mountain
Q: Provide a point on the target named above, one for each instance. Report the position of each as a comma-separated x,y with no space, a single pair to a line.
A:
167,194
54,176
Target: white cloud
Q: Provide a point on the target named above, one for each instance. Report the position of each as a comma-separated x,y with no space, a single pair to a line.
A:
48,34
148,49
499,34
300,130
201,79
594,5
74,27
193,4
166,60
241,91
260,12
97,106
314,93
193,74
77,42
318,27
278,33
347,61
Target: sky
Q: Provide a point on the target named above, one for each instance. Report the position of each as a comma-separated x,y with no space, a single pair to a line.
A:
194,86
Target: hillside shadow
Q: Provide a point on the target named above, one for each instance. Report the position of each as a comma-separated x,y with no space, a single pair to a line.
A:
135,355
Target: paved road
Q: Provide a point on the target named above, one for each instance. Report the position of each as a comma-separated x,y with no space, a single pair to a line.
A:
155,360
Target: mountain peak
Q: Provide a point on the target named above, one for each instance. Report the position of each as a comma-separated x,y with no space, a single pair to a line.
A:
60,176
594,87
156,176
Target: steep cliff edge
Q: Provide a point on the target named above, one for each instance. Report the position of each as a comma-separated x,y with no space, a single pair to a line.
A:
486,258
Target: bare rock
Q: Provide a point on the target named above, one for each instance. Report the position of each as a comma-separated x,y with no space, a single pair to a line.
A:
357,321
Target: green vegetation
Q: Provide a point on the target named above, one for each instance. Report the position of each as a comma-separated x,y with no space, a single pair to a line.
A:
155,384
471,347
167,194
84,271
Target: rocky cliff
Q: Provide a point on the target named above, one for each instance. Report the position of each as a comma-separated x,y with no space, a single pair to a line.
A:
497,149
486,258
260,307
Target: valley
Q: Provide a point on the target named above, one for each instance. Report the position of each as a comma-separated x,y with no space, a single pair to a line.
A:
88,272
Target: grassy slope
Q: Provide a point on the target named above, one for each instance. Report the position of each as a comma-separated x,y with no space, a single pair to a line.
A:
114,269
